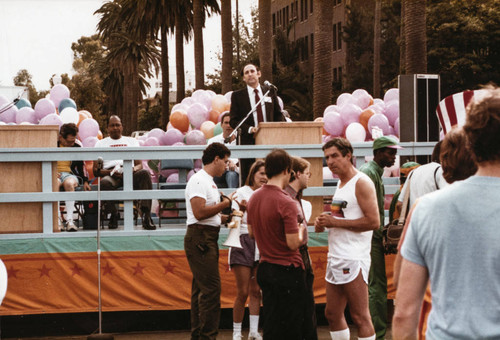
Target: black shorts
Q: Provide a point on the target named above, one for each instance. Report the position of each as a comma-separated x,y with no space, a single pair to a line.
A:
243,256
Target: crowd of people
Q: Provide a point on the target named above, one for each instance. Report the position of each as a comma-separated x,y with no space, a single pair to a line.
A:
448,245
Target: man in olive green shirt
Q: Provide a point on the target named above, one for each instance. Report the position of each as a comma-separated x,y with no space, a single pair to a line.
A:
384,152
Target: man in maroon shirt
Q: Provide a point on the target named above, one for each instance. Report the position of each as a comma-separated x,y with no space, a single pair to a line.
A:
272,221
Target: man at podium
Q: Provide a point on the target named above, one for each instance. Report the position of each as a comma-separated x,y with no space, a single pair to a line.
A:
245,100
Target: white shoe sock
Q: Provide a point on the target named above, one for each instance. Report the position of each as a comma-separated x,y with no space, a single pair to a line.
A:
254,323
368,338
344,334
236,328
70,208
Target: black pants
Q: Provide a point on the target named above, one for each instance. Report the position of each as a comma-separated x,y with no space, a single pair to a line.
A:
202,252
310,323
284,301
141,181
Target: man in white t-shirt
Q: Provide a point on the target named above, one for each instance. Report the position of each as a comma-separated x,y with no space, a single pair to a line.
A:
231,177
204,204
112,174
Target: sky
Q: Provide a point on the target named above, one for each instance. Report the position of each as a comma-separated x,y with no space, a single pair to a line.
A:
37,35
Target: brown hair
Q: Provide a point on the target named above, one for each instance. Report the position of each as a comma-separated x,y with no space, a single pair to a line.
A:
299,164
342,144
253,170
456,158
277,161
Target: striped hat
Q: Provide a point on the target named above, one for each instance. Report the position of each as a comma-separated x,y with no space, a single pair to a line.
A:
451,111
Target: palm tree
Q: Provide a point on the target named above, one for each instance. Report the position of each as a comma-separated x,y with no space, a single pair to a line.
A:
265,40
227,46
183,28
322,82
376,48
415,36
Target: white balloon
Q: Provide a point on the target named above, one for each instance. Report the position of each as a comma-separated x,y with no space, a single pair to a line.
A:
70,115
355,132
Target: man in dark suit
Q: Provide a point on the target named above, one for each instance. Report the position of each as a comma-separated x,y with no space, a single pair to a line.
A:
242,102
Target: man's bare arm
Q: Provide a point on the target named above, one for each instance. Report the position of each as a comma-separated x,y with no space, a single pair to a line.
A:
202,211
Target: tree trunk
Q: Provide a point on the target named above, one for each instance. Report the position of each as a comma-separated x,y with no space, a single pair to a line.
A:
128,98
165,79
402,45
136,93
415,34
265,40
179,59
323,40
227,46
376,49
199,67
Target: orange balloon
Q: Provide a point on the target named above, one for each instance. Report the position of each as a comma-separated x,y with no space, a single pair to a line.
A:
214,116
219,102
365,116
85,112
208,129
180,120
82,117
99,134
227,108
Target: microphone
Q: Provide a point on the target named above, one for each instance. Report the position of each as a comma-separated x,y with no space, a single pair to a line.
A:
268,84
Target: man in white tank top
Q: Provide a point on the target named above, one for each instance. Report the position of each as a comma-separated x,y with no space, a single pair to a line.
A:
349,242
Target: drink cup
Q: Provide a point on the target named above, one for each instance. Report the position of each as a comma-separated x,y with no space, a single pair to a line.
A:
337,206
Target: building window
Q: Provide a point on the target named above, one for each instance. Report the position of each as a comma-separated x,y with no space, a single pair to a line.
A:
305,9
170,85
287,14
339,37
311,6
334,35
274,23
335,75
301,10
296,10
340,76
312,43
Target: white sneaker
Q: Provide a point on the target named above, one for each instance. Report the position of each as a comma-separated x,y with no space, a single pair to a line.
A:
237,336
71,226
254,336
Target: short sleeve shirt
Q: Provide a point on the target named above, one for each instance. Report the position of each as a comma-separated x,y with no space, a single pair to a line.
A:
108,142
202,185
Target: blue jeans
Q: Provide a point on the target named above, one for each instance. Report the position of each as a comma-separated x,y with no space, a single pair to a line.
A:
230,179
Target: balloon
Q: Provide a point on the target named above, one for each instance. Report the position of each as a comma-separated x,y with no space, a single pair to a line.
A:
188,101
169,126
219,103
334,123
342,98
88,128
10,115
51,119
157,133
363,98
380,121
179,106
26,114
85,112
220,116
151,141
172,136
81,117
99,135
197,114
355,133
392,111
190,173
58,93
23,103
350,113
70,115
180,120
198,164
89,142
208,129
167,172
391,94
329,108
178,144
217,129
173,178
195,137
213,116
44,107
228,96
141,142
4,101
66,102
210,93
396,127
365,116
378,101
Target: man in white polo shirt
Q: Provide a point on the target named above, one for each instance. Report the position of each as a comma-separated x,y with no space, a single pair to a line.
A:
204,204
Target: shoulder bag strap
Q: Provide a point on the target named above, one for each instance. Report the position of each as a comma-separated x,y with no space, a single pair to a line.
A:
435,181
406,201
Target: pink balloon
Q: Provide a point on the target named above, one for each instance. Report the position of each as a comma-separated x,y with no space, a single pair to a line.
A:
198,163
396,127
378,101
350,113
228,96
178,144
188,101
392,111
173,178
51,119
190,173
157,133
44,107
141,142
172,136
179,106
197,114
26,114
342,98
58,93
355,133
363,98
89,142
88,128
151,141
195,137
333,123
167,172
211,93
333,108
4,101
380,121
391,94
10,115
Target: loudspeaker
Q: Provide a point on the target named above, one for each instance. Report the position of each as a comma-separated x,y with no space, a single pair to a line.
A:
90,215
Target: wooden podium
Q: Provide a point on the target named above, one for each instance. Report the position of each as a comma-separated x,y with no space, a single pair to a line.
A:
25,217
275,133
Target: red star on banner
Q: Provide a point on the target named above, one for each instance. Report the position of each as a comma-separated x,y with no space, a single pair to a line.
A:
169,268
12,273
227,268
76,270
319,264
107,269
44,271
138,269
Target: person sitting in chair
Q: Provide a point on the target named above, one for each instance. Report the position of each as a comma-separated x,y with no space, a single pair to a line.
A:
67,172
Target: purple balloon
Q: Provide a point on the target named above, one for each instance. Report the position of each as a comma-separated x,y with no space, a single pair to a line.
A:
51,119
58,93
198,163
88,128
26,114
380,121
350,113
363,98
204,98
172,136
179,106
333,108
157,133
197,114
195,137
10,115
378,101
342,98
89,142
188,101
392,111
167,172
333,123
151,141
391,94
4,101
44,107
173,178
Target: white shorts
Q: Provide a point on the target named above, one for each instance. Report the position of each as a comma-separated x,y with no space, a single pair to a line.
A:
341,271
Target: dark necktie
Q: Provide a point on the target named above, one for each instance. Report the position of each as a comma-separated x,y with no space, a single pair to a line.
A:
260,116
